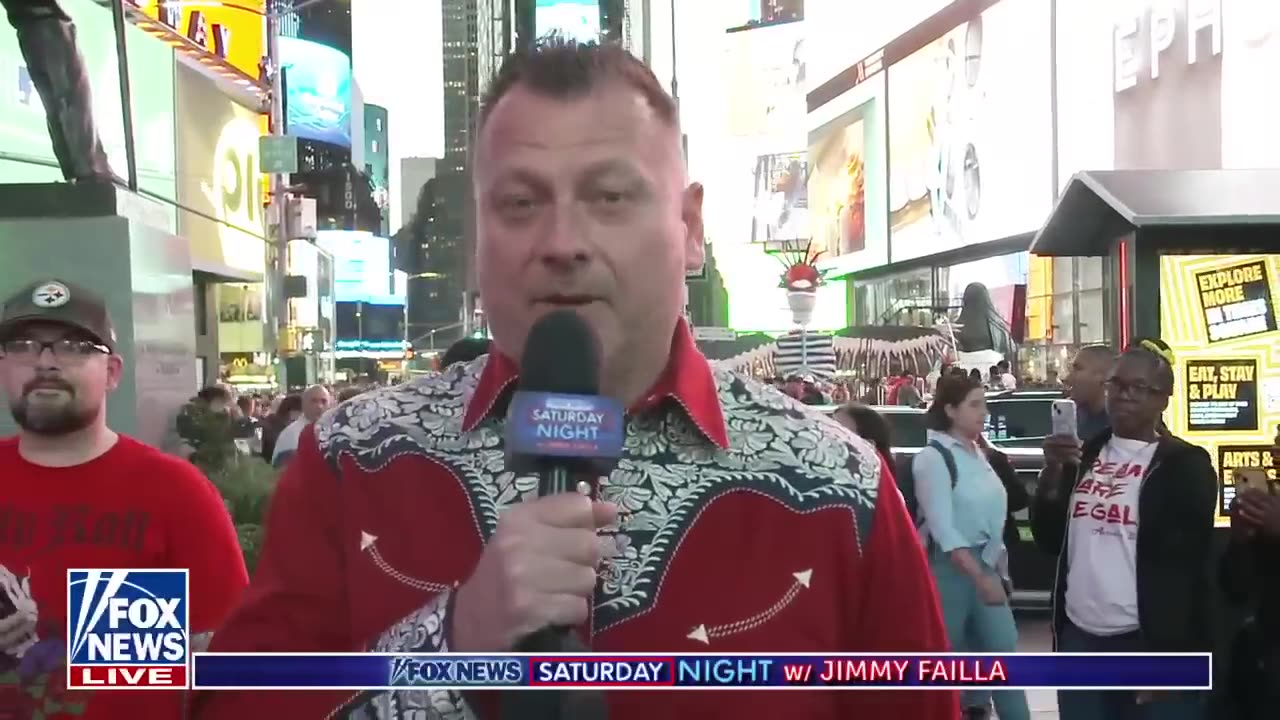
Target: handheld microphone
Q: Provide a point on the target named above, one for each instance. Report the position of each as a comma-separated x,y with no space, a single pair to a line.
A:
560,427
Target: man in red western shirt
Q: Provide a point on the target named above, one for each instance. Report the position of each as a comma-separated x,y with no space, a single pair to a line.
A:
76,494
744,521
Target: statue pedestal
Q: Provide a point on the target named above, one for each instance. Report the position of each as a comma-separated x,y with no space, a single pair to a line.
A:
116,243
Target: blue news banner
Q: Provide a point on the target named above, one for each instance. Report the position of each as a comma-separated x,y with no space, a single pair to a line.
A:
370,671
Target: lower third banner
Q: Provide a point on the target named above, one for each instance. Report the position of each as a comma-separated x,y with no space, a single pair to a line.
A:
382,671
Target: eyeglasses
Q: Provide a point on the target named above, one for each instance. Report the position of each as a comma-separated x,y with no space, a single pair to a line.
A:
64,350
1137,389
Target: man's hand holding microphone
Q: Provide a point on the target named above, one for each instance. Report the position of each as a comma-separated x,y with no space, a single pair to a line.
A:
538,570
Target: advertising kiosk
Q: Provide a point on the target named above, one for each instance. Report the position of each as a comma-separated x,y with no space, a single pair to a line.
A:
1194,259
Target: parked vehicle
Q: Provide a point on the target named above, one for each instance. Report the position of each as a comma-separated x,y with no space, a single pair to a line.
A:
1019,421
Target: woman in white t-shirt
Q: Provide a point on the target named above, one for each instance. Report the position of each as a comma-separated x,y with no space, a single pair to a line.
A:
1115,593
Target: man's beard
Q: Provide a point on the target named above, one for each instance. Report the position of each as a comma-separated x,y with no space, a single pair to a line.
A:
50,420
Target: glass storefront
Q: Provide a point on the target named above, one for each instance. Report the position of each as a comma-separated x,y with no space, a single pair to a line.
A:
904,299
1066,305
1067,308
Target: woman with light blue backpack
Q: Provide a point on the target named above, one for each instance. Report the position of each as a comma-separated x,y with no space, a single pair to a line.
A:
962,506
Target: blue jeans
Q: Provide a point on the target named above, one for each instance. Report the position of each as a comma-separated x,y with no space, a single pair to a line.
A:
1119,704
974,626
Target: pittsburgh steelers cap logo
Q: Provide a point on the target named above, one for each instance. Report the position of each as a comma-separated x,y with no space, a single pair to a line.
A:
51,295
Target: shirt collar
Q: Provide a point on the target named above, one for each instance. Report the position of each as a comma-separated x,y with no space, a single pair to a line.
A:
949,440
687,379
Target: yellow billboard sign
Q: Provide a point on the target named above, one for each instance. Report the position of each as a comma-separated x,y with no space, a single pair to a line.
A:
234,30
1218,314
220,186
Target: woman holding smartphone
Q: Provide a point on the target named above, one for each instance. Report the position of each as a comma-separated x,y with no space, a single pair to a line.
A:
963,506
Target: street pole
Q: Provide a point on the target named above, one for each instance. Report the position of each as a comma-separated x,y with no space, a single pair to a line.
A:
279,202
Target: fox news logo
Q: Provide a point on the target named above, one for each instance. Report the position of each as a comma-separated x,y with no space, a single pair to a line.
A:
127,629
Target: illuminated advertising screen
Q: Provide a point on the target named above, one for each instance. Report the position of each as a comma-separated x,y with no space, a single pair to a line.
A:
577,20
970,133
318,92
1175,86
781,199
362,267
234,31
26,152
220,185
759,155
846,195
841,33
1218,314
765,70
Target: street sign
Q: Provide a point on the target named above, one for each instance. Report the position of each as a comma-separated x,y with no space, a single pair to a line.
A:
278,155
715,334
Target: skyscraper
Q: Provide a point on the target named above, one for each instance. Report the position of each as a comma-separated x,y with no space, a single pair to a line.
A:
475,38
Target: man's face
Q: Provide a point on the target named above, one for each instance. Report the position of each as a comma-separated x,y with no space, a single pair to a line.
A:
582,204
1135,397
314,402
55,379
1086,379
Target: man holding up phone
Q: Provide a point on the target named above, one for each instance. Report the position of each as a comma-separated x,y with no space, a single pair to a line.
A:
1250,572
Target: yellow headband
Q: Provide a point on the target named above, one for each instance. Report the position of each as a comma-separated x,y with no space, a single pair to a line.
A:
1160,352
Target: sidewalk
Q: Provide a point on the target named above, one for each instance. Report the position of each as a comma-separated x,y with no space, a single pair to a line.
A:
1034,635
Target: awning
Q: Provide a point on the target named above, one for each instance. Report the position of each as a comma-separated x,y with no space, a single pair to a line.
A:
1098,207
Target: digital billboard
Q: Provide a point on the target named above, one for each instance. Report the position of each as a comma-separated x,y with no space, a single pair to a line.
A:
577,20
781,199
234,31
970,133
765,69
1176,86
1218,315
362,267
220,186
840,33
317,92
24,134
759,155
847,176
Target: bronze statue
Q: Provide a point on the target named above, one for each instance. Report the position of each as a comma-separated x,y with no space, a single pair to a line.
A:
47,38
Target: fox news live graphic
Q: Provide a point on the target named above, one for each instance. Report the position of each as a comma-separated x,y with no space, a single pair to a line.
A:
127,629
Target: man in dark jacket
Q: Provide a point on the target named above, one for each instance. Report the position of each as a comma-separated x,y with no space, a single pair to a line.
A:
1130,516
1250,576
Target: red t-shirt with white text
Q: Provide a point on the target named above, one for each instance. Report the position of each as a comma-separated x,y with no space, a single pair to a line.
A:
132,507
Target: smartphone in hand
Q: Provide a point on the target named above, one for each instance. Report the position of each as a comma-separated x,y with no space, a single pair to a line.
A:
1064,418
1251,479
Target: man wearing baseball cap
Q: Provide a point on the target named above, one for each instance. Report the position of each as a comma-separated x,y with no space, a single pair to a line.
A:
75,494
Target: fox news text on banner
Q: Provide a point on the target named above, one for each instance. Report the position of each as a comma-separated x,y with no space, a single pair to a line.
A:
383,671
127,629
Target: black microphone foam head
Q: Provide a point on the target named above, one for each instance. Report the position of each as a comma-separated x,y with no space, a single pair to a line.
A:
561,355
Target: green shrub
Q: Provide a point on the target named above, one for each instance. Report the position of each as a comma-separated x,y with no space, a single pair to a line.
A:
246,484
